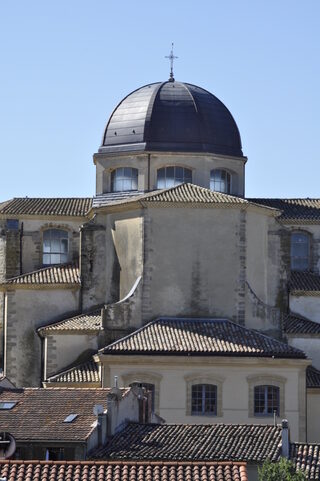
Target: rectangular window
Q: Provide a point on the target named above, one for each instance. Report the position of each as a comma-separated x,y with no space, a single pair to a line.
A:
266,400
204,399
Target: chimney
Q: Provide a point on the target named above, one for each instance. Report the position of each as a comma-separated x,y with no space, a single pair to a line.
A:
285,450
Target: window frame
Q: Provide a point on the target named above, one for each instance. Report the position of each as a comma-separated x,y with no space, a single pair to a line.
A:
270,380
57,253
175,184
228,181
123,178
216,380
205,396
307,236
265,389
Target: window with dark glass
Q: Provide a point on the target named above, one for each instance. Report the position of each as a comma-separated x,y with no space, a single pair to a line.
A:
220,181
300,251
266,400
149,387
55,246
124,178
204,399
171,176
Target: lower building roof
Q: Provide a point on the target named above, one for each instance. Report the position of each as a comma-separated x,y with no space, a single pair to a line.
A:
294,210
306,457
201,442
64,274
304,282
200,337
67,206
313,378
38,414
88,322
87,372
121,471
295,324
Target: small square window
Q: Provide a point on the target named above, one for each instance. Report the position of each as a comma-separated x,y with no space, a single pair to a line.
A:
12,224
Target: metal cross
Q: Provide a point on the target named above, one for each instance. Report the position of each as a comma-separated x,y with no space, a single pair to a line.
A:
171,57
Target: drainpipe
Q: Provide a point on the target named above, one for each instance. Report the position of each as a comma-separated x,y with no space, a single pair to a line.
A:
21,235
285,449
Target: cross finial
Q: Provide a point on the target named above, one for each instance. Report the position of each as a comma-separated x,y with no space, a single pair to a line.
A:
171,57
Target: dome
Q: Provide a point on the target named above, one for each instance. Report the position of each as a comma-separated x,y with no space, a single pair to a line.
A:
172,117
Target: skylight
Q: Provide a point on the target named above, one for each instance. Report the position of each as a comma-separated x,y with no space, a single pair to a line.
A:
70,418
7,404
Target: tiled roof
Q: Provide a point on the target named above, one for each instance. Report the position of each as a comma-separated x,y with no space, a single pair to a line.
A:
208,337
103,200
120,471
303,210
201,442
91,321
39,413
78,207
304,282
183,193
294,324
313,377
307,459
60,274
86,372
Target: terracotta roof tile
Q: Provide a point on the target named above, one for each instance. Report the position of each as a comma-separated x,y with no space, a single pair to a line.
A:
59,274
303,210
307,459
304,282
87,372
201,442
91,321
294,324
119,471
313,377
29,420
183,193
209,337
71,206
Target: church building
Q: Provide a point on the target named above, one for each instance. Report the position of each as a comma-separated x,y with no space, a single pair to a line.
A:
169,277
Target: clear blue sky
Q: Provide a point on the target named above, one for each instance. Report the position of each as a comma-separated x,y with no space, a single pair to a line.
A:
65,64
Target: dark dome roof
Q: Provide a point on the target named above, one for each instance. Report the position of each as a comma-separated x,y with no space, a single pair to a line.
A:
172,117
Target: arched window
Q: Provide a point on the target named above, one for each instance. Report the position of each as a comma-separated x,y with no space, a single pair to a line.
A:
204,399
220,181
124,178
266,400
300,251
55,246
171,176
149,387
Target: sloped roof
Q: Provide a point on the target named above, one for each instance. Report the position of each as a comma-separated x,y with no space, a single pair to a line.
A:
28,420
121,471
70,206
303,210
182,194
313,377
206,337
201,442
90,321
59,274
306,458
304,282
294,324
87,372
